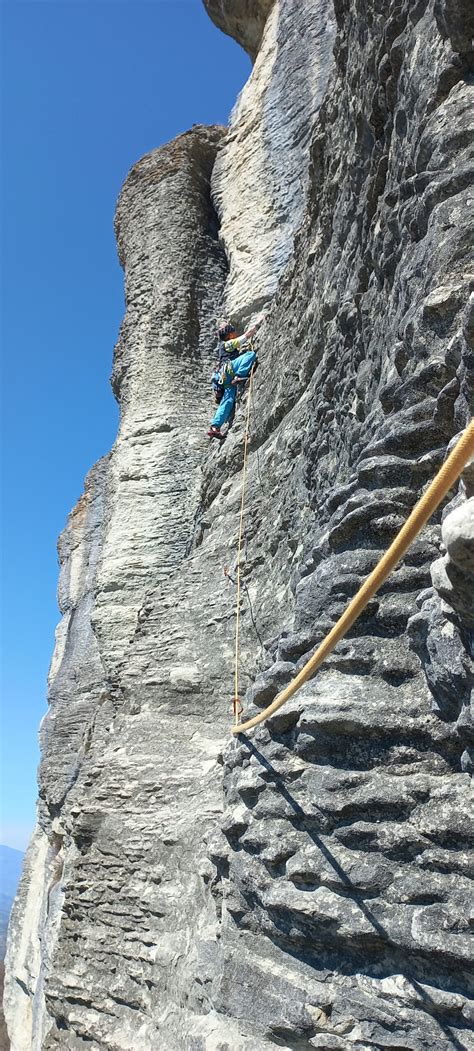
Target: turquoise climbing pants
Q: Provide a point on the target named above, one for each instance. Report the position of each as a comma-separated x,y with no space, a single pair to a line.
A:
241,367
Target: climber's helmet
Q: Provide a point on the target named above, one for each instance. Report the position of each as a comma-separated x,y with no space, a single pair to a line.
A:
226,331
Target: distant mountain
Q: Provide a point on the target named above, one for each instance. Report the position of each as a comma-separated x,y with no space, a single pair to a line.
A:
10,871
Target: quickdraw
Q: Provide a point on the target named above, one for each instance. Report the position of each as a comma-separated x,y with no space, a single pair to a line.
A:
237,708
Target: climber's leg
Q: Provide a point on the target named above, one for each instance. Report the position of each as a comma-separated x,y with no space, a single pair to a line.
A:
224,409
242,365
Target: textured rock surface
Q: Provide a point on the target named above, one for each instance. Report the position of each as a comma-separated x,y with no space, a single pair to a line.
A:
261,174
242,19
307,887
102,789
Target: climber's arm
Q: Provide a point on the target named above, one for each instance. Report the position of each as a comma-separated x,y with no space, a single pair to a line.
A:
253,328
250,333
240,341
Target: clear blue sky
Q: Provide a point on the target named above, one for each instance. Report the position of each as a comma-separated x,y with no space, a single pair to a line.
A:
89,87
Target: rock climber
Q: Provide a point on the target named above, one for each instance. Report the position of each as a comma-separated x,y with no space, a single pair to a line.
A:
233,367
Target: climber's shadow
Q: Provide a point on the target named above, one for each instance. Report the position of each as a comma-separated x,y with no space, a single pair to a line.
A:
301,821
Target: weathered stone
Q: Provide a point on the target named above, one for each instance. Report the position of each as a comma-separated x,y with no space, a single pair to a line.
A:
264,160
306,885
458,536
242,19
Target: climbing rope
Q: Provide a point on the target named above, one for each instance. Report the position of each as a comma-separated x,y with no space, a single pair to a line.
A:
236,702
437,490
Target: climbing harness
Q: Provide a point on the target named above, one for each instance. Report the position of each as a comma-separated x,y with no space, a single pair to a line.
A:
236,701
217,386
224,374
435,493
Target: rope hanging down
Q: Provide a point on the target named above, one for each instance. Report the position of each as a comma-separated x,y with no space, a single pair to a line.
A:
237,704
435,493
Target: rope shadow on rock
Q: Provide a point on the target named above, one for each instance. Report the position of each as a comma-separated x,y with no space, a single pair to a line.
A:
429,1004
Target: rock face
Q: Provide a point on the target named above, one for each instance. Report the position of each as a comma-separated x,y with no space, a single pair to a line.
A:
242,19
306,886
260,177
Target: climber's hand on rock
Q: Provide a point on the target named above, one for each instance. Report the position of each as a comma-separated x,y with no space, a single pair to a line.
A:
256,325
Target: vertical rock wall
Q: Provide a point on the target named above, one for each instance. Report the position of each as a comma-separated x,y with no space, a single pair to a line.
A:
344,860
175,270
75,684
261,174
109,812
308,886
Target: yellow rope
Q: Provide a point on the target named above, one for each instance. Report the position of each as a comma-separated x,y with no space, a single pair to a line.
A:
437,490
239,550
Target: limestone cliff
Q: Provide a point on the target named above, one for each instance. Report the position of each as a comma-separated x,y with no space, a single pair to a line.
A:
306,886
260,178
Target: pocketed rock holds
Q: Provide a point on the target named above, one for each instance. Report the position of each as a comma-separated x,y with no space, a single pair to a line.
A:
453,575
456,17
269,683
441,630
306,886
458,536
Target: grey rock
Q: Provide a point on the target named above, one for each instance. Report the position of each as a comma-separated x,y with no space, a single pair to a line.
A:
453,585
437,638
269,683
456,18
265,158
242,19
307,885
458,536
453,575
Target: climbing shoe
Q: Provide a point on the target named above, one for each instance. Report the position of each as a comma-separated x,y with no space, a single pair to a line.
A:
214,432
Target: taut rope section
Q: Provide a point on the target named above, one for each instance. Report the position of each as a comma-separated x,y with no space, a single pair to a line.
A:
239,551
437,490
